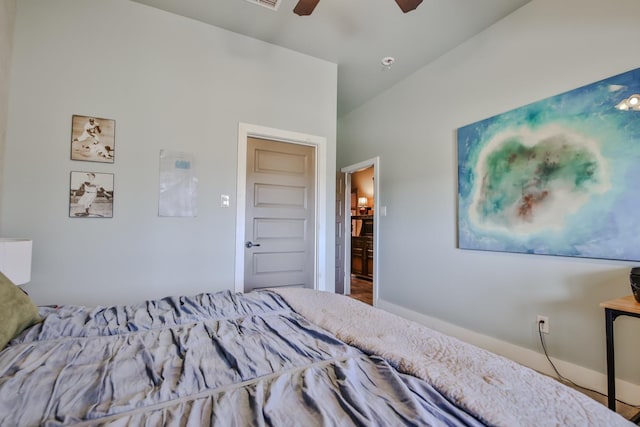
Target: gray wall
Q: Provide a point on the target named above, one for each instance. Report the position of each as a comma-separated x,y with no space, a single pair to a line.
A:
170,83
545,48
7,20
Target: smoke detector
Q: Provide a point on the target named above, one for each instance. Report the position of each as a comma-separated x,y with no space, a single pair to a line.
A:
269,4
387,62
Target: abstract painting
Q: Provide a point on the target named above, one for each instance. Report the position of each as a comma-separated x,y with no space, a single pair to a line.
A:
560,176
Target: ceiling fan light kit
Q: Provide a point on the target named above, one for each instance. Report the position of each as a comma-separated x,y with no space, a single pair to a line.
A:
305,7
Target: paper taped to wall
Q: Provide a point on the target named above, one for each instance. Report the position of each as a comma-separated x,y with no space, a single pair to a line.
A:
178,193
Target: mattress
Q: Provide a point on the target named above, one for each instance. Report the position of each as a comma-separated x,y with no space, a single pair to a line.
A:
295,357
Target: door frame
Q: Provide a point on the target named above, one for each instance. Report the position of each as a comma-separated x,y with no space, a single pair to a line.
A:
246,130
348,170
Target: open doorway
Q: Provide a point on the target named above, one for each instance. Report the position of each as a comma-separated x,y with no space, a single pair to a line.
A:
361,235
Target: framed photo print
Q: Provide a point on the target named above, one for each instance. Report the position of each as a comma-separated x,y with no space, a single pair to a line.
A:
93,139
91,195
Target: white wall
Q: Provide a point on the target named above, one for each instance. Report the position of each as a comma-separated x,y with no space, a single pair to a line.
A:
7,20
545,48
170,83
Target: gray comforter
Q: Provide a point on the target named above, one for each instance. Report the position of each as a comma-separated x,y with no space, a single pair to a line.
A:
213,359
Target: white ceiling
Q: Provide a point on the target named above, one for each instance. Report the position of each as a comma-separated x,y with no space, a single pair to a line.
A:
355,34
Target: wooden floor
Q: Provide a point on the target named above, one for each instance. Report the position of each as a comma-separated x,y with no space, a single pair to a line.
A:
627,411
362,290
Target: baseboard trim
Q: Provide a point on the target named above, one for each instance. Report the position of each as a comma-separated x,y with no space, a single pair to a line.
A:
625,391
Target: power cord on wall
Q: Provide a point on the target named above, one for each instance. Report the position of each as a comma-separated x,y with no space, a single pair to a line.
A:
562,378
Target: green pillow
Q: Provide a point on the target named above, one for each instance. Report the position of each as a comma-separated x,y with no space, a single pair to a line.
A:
17,311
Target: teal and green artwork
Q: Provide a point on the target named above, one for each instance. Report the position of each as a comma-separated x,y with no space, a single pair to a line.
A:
560,176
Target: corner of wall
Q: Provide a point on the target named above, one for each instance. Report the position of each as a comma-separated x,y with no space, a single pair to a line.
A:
7,23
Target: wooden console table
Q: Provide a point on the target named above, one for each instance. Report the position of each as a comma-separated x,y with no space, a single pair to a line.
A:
626,306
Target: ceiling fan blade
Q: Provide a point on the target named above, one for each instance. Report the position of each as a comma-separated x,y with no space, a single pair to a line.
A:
408,5
305,7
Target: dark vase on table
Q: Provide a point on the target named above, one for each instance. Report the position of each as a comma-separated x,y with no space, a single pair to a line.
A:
634,279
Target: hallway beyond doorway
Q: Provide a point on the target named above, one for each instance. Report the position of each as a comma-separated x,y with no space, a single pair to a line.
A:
362,290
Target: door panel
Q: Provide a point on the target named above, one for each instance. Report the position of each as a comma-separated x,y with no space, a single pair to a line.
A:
276,228
269,195
340,232
280,163
280,214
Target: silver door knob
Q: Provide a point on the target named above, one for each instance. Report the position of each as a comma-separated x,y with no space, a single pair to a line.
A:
250,244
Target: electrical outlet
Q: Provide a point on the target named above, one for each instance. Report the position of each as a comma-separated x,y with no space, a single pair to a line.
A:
545,323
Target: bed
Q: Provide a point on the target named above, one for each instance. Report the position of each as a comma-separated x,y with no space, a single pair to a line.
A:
271,357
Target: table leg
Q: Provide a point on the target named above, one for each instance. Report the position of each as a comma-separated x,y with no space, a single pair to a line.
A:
611,374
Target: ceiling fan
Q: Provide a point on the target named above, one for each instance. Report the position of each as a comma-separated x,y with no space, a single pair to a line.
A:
305,7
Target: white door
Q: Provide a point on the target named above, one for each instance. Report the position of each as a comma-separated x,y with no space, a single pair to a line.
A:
279,214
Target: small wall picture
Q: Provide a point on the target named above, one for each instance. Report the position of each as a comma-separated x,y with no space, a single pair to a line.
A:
91,195
93,139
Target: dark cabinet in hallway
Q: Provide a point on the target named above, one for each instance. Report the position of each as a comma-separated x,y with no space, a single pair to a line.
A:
362,247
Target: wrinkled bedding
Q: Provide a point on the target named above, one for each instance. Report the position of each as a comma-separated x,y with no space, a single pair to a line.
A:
496,390
213,359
